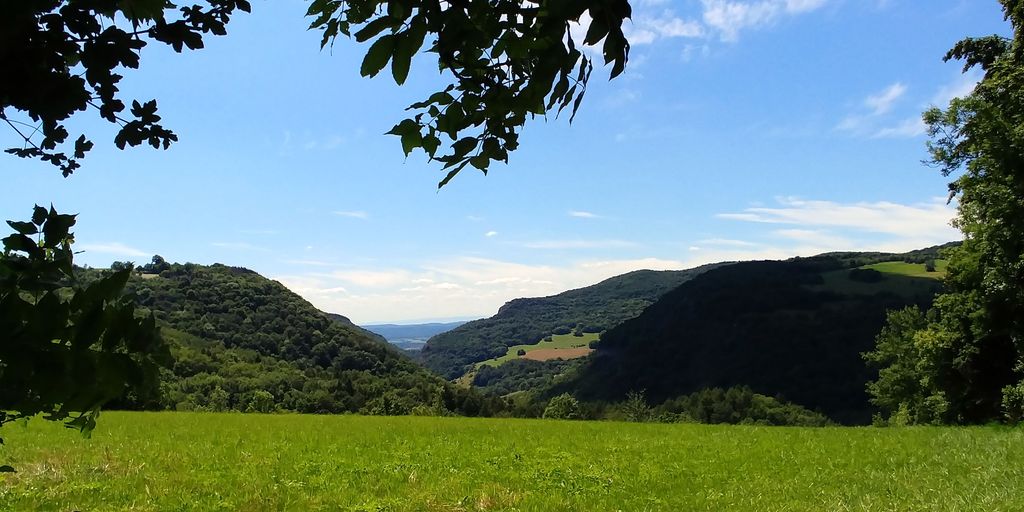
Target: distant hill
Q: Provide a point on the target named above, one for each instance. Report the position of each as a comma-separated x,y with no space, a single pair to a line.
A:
527,321
794,329
411,336
236,335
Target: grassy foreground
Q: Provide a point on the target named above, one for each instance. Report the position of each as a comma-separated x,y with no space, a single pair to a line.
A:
205,461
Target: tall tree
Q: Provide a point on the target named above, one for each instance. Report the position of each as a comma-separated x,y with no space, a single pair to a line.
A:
969,359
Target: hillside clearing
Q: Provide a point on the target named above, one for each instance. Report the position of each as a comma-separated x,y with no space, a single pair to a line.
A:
206,461
910,269
558,342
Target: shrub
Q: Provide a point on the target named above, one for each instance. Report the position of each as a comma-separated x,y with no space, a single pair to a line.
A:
563,407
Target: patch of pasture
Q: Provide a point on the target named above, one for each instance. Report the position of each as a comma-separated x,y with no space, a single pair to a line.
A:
210,462
548,354
910,269
558,341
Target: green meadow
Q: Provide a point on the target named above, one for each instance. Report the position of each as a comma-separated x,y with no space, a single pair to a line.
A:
910,269
205,461
557,341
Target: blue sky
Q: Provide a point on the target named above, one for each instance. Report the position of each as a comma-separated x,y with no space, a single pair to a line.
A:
742,129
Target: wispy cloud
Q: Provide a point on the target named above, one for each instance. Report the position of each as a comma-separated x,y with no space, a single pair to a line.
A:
239,246
925,223
906,129
353,214
113,248
959,87
879,121
580,214
726,242
882,102
871,122
491,234
580,244
648,27
729,17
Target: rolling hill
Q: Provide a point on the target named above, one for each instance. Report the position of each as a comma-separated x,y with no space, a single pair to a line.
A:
527,321
794,329
234,333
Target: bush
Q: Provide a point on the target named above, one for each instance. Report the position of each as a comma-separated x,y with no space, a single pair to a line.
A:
563,407
1013,403
521,352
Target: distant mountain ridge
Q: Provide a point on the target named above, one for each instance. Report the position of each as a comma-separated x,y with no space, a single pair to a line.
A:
528,320
411,336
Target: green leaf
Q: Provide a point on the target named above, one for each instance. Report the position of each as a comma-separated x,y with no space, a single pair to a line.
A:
406,47
480,162
463,147
371,29
378,56
411,141
402,59
25,228
38,215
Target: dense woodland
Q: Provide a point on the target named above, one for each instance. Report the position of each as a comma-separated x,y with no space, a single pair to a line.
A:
243,342
794,329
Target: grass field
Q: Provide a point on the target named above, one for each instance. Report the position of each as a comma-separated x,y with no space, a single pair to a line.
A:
558,341
910,269
211,462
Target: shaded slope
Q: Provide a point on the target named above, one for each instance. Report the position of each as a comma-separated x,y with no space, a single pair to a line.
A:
526,321
791,328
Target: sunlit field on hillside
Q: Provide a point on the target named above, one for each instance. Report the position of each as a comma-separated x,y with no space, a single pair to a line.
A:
206,461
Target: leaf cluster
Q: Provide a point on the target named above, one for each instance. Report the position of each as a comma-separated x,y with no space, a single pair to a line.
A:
64,57
510,60
68,347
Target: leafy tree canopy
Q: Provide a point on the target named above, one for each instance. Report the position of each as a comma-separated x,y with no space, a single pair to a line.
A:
509,60
966,360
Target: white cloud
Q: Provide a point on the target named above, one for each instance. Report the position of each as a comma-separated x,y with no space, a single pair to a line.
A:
491,234
906,129
882,102
918,224
114,248
963,85
730,17
580,214
353,214
475,287
878,105
647,28
459,287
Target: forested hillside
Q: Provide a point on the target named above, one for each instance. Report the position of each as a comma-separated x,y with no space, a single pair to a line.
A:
794,329
241,341
527,321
